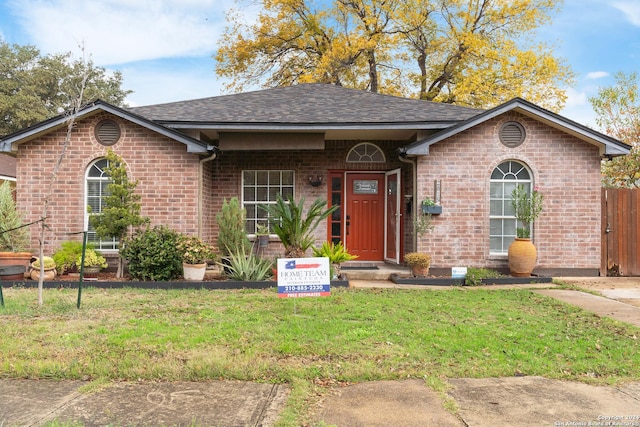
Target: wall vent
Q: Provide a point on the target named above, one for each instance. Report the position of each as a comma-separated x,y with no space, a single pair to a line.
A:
512,134
107,132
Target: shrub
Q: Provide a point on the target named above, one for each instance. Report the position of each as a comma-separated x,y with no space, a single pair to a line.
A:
232,235
17,239
418,259
66,256
153,254
49,263
475,275
245,266
92,259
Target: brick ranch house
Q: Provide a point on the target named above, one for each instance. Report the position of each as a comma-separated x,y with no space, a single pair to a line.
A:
377,156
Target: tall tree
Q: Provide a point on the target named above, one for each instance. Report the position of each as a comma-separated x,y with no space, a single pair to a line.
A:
618,114
34,87
477,53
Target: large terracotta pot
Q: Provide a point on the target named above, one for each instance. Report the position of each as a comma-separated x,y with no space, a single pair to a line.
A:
522,257
419,271
17,258
49,274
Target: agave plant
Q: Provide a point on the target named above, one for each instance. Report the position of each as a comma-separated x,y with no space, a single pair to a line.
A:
294,229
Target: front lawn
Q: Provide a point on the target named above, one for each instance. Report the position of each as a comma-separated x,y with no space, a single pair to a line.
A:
354,335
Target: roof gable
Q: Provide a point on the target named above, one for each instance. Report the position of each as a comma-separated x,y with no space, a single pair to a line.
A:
608,146
10,142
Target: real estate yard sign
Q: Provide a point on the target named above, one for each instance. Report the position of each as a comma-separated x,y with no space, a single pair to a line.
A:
303,277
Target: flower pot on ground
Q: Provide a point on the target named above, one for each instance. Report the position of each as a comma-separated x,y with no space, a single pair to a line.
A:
14,238
522,257
522,253
195,254
419,263
9,273
93,263
194,271
49,269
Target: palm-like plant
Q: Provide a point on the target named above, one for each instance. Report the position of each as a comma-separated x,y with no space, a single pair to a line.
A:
295,230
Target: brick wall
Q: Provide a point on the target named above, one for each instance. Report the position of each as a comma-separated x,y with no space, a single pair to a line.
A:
167,177
565,169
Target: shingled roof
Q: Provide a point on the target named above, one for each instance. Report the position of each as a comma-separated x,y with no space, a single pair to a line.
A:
306,104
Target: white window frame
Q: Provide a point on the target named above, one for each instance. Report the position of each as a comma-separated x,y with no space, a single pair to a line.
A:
501,215
277,182
101,245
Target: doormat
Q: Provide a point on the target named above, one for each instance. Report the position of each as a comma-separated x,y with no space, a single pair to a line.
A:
366,267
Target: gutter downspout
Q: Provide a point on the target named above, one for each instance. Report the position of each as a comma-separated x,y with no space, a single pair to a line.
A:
414,172
200,188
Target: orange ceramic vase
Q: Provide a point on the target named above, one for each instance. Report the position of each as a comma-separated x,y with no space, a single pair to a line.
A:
522,257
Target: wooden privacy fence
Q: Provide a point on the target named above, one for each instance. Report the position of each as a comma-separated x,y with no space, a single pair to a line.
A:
620,232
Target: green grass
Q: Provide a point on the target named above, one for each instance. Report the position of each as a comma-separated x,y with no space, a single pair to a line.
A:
352,336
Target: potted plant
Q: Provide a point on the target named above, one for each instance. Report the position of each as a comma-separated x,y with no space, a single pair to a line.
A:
336,253
419,263
262,234
430,207
195,254
93,263
49,268
14,237
294,229
522,253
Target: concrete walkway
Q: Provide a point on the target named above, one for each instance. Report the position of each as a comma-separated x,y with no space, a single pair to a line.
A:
515,401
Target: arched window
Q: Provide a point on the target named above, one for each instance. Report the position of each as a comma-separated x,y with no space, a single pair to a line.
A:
504,179
96,182
365,152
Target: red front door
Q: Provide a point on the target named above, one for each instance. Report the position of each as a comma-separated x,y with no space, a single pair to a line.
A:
364,216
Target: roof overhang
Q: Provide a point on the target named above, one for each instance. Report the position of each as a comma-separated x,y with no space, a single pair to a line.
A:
389,131
11,142
609,147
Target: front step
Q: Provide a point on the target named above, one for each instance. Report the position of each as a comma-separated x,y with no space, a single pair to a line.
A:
363,270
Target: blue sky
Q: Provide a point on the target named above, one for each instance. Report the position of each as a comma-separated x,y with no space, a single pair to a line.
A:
164,47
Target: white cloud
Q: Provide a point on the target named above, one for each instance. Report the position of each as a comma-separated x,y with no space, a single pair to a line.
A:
631,9
594,75
123,31
161,85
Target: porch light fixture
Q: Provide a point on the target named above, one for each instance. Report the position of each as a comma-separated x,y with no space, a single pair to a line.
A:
315,182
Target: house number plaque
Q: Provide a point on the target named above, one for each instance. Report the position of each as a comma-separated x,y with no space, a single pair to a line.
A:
362,186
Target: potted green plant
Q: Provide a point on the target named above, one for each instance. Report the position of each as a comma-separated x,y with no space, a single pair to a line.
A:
49,268
336,253
419,263
430,207
195,254
93,263
293,227
14,237
522,253
262,234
